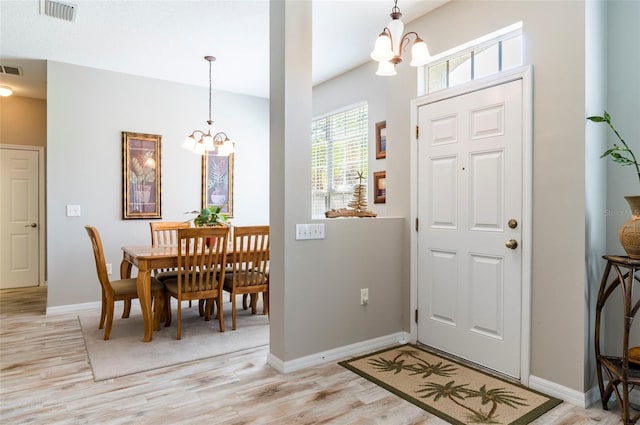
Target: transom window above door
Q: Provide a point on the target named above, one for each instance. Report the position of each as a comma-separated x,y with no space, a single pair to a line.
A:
487,55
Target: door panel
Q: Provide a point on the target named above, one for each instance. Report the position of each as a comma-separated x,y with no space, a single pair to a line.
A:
469,186
19,228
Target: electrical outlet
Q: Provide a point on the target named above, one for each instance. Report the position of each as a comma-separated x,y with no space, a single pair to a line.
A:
364,296
109,268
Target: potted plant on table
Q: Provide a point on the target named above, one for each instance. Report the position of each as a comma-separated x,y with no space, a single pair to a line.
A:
629,232
210,216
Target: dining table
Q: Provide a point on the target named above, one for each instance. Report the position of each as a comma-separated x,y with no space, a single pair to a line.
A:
147,258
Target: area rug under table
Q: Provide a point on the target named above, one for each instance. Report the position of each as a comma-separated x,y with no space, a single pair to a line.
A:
125,352
450,390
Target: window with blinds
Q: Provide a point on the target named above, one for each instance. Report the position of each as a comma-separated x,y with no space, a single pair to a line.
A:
339,149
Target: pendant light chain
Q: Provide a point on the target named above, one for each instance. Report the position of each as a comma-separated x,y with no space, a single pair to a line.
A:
210,121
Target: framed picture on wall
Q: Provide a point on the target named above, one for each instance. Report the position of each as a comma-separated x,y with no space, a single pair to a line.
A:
141,175
381,139
217,182
380,187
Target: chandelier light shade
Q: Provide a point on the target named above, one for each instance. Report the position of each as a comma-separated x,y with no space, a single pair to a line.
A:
391,44
200,142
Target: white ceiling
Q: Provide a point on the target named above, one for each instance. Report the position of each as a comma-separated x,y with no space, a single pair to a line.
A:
167,39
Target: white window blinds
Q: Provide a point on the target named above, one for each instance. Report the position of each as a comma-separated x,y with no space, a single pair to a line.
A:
339,149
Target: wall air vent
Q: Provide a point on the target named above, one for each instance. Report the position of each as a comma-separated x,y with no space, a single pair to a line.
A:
10,70
59,9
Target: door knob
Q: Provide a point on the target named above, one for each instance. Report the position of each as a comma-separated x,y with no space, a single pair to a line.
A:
511,244
513,223
31,225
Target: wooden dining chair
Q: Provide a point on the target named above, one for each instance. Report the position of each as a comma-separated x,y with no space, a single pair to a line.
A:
249,274
165,233
202,255
118,290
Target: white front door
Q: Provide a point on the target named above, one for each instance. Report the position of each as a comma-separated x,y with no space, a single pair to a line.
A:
470,212
19,224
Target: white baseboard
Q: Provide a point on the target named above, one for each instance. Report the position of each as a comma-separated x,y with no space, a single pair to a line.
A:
336,353
567,394
73,308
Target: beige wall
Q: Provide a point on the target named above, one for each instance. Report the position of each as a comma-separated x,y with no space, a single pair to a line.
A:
88,109
315,285
554,44
23,121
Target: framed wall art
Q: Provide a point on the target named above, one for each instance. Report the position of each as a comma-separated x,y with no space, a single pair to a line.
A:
141,175
217,182
380,187
381,139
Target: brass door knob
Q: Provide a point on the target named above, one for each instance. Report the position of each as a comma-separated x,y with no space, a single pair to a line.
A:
34,225
513,223
511,244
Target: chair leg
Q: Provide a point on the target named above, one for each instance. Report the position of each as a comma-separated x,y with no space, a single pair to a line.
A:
107,330
201,307
254,303
265,302
103,311
167,310
127,309
244,302
158,305
207,309
220,315
179,321
233,312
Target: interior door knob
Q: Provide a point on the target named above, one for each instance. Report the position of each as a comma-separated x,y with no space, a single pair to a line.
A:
31,225
513,223
511,244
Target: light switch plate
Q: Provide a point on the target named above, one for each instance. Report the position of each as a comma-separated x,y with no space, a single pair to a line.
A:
73,210
309,231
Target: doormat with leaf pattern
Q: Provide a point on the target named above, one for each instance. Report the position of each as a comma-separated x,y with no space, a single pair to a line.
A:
450,390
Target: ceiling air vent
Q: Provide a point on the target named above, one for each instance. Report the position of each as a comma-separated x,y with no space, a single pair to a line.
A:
10,70
59,9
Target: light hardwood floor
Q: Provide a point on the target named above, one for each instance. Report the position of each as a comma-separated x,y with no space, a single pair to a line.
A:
45,378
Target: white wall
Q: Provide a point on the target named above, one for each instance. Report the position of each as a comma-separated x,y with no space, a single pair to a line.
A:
623,103
596,171
87,109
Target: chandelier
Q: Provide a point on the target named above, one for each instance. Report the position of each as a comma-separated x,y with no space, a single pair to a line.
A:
218,143
391,43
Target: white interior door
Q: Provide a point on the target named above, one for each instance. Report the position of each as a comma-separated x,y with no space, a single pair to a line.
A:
469,190
19,225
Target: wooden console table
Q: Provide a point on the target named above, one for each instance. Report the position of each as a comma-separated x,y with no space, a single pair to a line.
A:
620,374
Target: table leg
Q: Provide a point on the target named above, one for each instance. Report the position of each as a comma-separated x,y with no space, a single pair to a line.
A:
143,283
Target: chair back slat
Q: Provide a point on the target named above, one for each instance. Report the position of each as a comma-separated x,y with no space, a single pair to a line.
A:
251,247
165,233
201,260
98,255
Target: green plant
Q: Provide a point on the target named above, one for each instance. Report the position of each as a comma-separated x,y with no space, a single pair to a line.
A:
617,153
210,216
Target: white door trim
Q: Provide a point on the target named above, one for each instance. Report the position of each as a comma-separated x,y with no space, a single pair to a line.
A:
42,222
526,75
